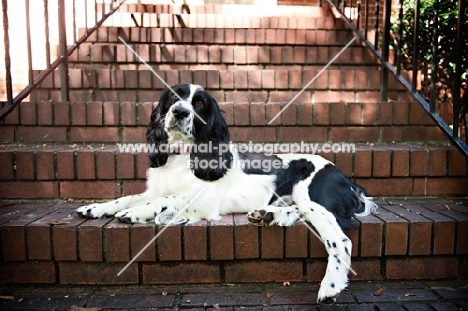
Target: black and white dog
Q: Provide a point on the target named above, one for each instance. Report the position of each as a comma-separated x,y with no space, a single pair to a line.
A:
294,187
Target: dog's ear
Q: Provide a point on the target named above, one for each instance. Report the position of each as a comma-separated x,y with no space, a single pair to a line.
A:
156,136
212,162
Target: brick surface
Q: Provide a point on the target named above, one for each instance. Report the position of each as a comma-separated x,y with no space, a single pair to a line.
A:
97,273
32,272
400,163
462,225
420,232
184,273
45,165
195,241
89,189
169,243
265,271
117,242
14,235
366,270
29,190
296,241
443,229
125,165
65,237
25,165
371,240
6,157
90,240
221,238
272,242
245,238
28,113
396,232
41,134
85,165
140,236
419,268
381,164
39,235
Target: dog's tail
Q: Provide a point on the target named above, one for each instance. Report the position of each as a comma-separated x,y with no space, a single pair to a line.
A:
366,204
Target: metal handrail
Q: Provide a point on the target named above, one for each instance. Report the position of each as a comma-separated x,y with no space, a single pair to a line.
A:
65,51
382,42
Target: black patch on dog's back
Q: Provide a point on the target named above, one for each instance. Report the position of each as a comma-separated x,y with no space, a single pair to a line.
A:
332,189
286,178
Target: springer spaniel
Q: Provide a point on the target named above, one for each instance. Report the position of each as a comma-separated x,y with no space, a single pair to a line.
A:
291,188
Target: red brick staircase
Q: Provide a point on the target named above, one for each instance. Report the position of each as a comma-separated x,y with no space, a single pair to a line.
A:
253,65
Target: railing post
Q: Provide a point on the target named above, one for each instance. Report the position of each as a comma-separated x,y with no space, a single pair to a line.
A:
64,79
435,43
385,46
415,45
458,69
28,42
399,37
6,40
377,26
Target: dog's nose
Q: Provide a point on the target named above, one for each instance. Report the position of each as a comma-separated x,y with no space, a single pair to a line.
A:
180,112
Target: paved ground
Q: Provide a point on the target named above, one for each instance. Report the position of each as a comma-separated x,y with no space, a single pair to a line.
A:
382,296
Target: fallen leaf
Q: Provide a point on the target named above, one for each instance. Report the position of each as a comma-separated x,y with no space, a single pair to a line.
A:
9,203
378,292
409,295
447,207
268,295
286,284
7,297
20,300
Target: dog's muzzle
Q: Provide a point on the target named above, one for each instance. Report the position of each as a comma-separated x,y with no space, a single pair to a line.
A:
180,112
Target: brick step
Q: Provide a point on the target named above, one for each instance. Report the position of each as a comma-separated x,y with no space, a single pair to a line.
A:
333,34
119,122
243,20
218,57
228,9
46,243
225,85
104,171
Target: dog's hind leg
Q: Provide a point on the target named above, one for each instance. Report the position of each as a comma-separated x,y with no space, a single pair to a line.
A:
337,244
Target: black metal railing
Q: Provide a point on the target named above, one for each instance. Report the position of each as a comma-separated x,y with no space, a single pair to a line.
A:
418,44
99,11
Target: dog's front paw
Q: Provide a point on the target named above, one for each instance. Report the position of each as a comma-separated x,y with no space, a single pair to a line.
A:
260,217
132,215
93,211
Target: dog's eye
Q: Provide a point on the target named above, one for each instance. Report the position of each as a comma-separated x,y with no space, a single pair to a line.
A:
199,104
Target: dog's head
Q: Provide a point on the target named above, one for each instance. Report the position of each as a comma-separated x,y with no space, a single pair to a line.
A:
186,113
